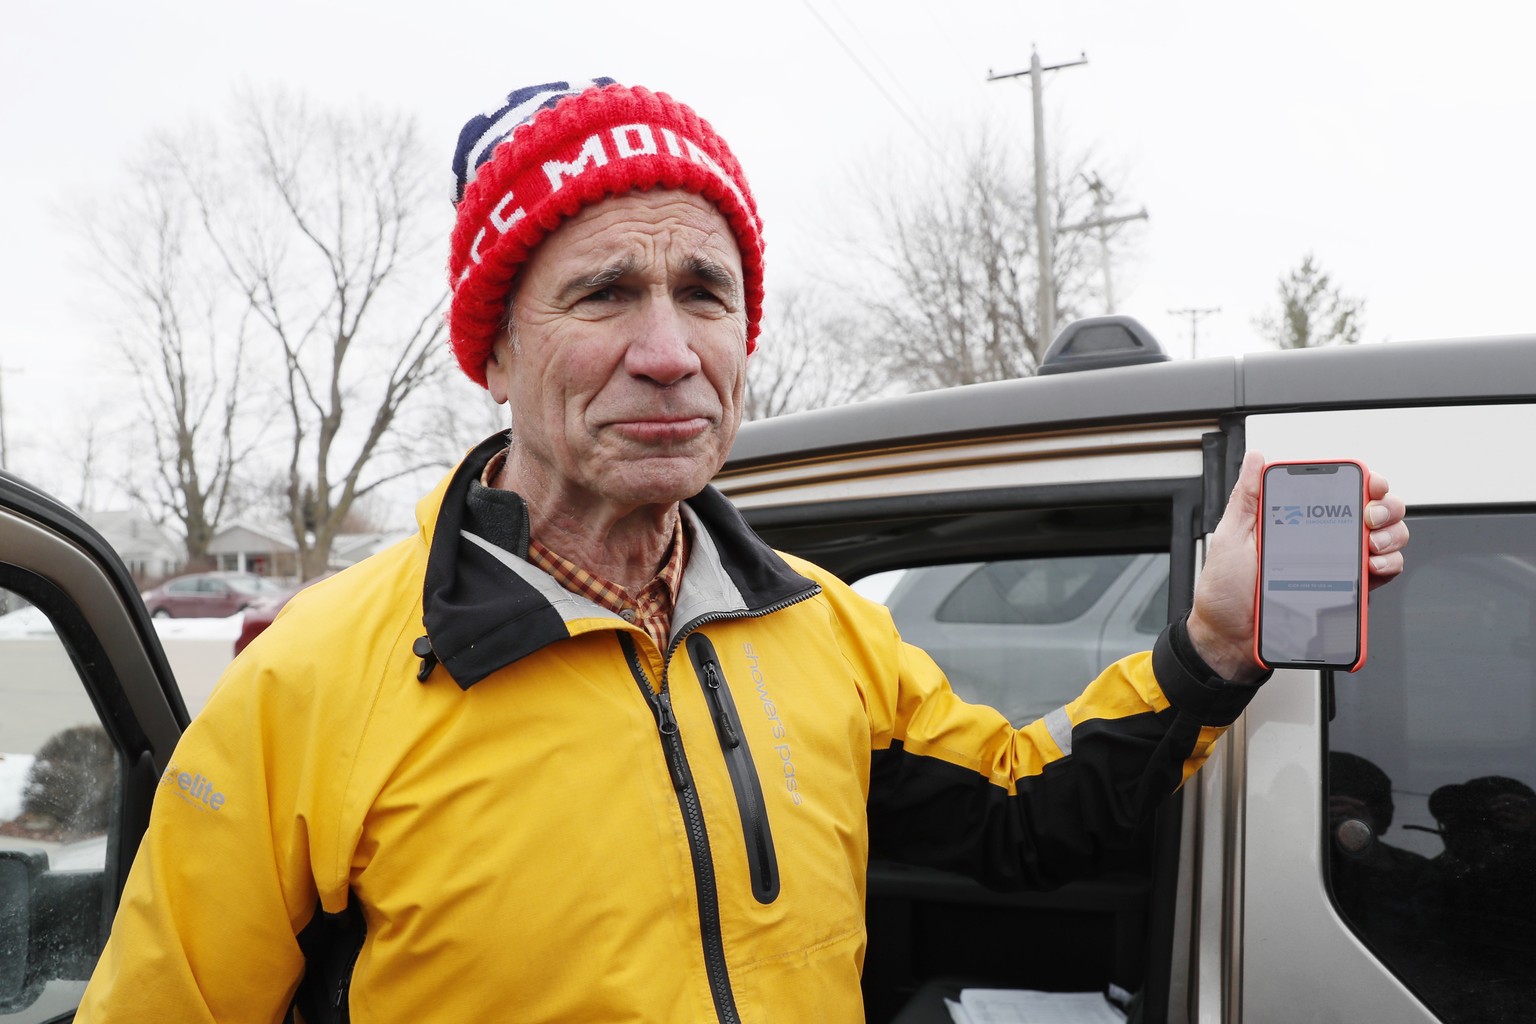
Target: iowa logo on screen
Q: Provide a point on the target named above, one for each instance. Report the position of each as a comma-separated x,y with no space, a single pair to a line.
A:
1293,515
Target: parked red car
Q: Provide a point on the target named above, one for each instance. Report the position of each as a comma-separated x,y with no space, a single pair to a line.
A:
259,615
207,595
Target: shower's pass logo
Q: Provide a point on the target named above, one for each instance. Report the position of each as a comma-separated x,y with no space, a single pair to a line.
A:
193,787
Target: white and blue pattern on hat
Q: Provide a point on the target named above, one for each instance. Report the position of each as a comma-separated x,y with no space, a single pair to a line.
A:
478,139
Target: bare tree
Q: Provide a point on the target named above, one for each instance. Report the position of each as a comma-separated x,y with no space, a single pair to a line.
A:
1313,311
322,220
458,413
958,251
184,344
808,358
89,450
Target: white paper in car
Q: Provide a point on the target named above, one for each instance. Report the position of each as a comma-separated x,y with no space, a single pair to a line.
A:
1026,1006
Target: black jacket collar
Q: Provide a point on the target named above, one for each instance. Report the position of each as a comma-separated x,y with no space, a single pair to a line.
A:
485,607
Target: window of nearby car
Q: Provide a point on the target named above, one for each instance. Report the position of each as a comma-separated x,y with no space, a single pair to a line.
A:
1026,634
1431,831
1043,590
249,585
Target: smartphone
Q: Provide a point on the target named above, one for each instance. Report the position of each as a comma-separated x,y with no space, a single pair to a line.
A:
1311,608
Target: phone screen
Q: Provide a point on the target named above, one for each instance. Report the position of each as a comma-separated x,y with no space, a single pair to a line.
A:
1309,585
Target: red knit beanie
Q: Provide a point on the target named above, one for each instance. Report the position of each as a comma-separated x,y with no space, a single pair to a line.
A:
553,149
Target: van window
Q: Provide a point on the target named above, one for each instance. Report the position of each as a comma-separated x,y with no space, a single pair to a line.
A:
1084,581
1431,788
1025,635
1032,590
59,785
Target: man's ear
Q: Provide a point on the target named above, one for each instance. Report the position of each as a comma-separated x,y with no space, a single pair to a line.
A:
498,370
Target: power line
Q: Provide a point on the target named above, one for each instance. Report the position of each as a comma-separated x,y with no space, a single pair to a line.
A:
890,76
880,86
939,29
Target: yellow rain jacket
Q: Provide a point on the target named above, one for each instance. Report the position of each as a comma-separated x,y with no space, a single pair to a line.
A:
534,814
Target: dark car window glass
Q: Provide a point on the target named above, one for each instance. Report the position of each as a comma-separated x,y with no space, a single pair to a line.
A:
1432,771
1042,590
59,781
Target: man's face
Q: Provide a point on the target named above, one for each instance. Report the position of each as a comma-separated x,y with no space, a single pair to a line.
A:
626,376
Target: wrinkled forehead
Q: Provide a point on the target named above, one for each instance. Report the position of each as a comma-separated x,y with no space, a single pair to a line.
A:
678,230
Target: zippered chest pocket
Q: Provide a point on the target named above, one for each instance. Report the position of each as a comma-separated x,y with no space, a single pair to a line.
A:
756,831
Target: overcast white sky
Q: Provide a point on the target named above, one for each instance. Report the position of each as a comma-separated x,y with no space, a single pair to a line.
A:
1390,139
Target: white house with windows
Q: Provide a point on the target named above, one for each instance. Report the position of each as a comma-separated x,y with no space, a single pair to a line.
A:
245,546
351,548
153,553
150,552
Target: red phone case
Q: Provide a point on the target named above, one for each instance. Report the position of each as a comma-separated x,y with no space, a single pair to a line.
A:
1365,556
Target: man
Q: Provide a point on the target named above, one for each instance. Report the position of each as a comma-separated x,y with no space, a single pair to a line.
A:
511,744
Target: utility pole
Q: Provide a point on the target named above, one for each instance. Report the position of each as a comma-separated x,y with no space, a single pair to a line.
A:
1101,199
1194,325
1047,300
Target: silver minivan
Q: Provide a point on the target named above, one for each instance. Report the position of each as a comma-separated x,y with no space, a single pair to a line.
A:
1359,848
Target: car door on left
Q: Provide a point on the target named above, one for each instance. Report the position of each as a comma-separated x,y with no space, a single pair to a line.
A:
89,714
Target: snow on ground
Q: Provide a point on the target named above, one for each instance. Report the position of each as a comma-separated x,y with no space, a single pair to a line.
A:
200,629
31,623
80,855
28,622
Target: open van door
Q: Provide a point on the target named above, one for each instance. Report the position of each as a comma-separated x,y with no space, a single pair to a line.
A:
89,714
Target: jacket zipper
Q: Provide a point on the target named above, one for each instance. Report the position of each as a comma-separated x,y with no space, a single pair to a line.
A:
688,798
745,613
738,760
340,1005
698,837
